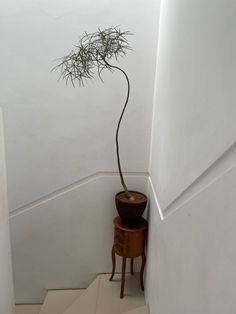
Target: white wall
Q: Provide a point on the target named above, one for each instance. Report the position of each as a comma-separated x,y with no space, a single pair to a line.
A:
65,240
195,92
57,135
191,261
6,283
60,138
191,264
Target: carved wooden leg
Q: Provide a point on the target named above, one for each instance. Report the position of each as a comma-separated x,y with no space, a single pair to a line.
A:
123,278
113,256
142,270
132,266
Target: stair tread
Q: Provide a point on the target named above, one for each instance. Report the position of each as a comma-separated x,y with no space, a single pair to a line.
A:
86,303
109,294
57,301
139,310
103,297
28,309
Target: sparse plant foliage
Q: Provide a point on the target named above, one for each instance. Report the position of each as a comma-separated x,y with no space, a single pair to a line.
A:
94,52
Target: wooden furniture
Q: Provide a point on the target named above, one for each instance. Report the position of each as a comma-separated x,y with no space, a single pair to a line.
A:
129,242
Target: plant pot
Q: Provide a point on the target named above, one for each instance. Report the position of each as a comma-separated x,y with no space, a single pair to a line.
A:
130,211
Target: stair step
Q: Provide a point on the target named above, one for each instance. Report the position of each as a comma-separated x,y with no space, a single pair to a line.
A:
57,301
86,303
139,310
103,297
28,309
109,295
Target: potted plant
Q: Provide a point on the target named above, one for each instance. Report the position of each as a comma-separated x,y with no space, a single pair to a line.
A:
96,51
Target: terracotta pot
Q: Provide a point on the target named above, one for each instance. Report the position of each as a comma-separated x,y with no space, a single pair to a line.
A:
130,211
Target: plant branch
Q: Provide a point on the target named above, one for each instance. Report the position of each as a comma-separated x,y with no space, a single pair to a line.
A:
128,194
94,51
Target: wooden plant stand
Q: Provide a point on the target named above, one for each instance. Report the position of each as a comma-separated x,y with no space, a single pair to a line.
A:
129,242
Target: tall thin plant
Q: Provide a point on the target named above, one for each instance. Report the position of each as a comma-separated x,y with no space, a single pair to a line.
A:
96,51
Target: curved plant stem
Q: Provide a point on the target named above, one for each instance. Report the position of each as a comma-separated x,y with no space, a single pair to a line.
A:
128,194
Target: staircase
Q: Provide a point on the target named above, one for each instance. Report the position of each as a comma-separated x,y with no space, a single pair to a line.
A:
101,297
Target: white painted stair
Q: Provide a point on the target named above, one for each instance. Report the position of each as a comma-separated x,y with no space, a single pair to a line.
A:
139,310
101,297
57,301
28,309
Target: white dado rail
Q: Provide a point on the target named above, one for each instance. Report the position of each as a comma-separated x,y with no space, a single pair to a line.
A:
141,177
220,167
6,283
224,163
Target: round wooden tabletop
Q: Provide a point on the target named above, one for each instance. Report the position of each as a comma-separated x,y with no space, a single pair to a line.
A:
141,225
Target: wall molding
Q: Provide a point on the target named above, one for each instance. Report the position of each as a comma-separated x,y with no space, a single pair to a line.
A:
225,163
155,198
73,186
220,167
